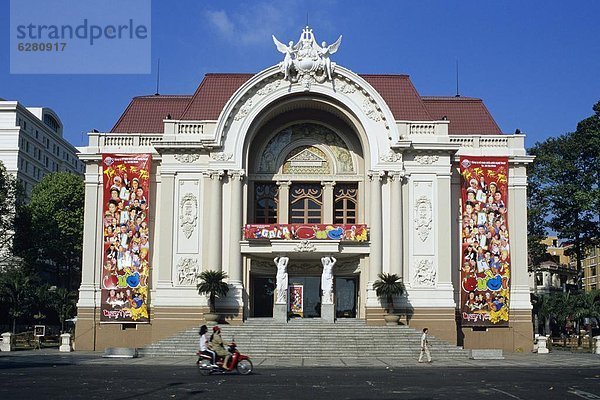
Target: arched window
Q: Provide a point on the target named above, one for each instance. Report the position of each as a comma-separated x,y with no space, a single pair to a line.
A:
306,203
345,205
51,122
265,203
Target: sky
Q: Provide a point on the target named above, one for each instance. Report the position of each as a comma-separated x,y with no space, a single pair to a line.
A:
534,63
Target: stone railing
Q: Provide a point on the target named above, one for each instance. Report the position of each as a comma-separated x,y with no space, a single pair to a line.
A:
124,140
422,129
489,141
190,128
352,233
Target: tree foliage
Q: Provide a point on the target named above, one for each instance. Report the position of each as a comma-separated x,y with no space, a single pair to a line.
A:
64,303
564,192
388,286
9,202
211,283
56,212
17,292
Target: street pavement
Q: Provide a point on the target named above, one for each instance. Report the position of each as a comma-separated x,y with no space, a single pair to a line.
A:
554,359
48,374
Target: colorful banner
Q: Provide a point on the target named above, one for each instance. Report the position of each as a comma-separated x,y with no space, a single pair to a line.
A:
353,233
485,256
126,250
296,300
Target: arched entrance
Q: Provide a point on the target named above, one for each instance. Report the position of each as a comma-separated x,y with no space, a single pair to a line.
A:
305,180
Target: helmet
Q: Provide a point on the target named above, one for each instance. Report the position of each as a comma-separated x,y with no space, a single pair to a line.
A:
216,328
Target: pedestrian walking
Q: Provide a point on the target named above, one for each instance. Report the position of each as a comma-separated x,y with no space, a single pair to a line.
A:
424,346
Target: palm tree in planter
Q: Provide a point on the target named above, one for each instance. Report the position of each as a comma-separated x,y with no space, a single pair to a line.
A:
211,284
388,286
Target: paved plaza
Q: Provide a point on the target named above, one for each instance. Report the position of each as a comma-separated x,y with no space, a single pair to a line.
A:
47,374
555,359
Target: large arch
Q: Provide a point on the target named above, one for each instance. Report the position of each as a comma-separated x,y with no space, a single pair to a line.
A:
348,96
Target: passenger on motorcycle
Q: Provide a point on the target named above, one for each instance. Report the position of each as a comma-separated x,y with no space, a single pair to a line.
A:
203,343
216,345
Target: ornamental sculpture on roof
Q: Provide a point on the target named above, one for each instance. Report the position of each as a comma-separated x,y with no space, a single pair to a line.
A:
307,61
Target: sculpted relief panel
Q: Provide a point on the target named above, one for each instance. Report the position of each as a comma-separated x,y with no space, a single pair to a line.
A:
424,273
423,217
187,271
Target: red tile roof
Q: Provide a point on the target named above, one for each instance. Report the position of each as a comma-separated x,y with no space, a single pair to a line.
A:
145,114
400,95
212,94
466,115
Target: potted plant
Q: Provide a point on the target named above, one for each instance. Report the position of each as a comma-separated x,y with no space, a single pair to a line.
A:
211,284
388,286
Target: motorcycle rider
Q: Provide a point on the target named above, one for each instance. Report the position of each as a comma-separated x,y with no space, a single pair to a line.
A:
216,345
203,345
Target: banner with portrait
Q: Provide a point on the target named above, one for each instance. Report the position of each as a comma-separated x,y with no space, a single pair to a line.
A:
296,300
126,235
485,251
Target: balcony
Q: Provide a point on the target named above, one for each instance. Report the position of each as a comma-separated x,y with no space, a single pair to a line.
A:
352,233
305,238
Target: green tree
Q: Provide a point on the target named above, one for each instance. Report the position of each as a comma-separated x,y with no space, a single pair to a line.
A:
211,283
17,292
56,209
9,199
565,195
585,305
388,286
64,303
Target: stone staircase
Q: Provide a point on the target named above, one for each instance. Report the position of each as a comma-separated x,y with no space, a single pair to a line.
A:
352,338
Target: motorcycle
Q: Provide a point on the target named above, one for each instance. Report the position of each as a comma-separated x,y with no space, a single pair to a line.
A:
238,362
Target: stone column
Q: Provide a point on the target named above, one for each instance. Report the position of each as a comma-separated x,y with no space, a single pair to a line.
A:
283,202
328,202
91,275
235,256
235,234
164,222
396,223
376,235
91,230
215,237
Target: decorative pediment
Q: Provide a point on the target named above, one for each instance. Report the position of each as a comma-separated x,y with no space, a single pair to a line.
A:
306,160
307,157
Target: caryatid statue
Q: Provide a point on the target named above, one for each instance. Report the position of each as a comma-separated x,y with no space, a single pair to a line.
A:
282,279
327,280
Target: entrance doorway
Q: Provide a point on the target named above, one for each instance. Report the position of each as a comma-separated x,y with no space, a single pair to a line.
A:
311,296
345,297
262,296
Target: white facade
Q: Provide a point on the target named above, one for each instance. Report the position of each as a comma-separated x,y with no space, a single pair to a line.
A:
399,167
32,144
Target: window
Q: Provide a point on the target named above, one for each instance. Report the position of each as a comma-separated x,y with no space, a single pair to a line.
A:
345,203
27,147
592,270
265,203
306,203
51,122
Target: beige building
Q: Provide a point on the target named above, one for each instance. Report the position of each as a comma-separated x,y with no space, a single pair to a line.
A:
32,143
556,273
241,167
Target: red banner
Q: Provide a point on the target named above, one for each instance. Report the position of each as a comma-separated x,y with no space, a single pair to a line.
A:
354,233
485,256
126,250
